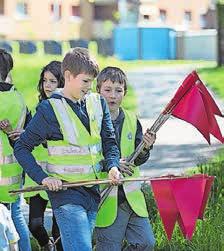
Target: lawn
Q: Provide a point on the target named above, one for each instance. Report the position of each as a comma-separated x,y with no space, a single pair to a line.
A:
27,70
214,78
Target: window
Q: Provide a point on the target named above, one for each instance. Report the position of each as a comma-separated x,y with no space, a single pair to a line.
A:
187,16
105,12
146,17
1,7
21,9
75,11
203,21
55,10
162,15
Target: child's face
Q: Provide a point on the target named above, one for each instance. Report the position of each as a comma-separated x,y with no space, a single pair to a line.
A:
50,83
79,85
113,92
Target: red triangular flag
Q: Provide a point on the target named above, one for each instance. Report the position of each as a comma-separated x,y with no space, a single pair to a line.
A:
185,87
211,101
209,182
166,204
213,125
191,109
188,194
193,103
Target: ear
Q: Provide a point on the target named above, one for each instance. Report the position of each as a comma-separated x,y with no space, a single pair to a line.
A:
67,75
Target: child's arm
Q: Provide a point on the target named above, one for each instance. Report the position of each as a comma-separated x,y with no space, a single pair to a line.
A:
5,126
38,130
14,246
149,139
110,148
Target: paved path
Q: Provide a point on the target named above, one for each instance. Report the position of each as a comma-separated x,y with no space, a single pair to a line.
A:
179,145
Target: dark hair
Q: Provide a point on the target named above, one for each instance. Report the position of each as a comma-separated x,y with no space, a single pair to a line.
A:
55,68
114,74
6,64
78,61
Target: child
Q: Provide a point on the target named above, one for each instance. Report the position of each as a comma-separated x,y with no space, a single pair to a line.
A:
123,215
50,79
79,133
14,116
8,235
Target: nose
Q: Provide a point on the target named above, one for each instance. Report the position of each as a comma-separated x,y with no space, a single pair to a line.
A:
112,94
47,83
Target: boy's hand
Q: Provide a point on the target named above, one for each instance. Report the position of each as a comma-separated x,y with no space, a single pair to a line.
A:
15,134
53,184
125,167
5,126
14,247
115,175
149,138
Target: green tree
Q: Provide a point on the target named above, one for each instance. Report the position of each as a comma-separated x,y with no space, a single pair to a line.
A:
220,22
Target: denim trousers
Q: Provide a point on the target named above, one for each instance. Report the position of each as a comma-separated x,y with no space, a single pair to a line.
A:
136,230
21,226
76,226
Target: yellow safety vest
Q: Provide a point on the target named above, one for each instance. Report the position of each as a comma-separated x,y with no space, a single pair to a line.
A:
108,211
13,108
77,156
40,154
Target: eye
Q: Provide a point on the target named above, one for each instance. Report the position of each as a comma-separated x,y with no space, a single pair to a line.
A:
54,81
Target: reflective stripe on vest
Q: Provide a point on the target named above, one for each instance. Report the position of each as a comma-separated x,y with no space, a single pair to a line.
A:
68,169
69,130
74,150
10,180
6,159
12,107
87,147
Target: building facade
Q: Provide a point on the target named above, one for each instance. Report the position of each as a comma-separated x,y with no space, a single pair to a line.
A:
46,19
74,19
177,14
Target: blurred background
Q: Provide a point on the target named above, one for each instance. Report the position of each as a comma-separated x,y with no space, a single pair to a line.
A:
153,29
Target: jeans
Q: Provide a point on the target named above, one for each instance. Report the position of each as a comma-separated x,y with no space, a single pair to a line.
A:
37,208
136,230
21,226
76,226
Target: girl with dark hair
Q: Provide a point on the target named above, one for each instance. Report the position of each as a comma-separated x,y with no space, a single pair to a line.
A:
51,78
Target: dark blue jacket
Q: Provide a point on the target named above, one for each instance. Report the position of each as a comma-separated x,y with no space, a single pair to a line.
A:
44,126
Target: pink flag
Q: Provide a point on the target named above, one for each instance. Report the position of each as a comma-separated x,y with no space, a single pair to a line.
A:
188,194
166,204
181,200
197,107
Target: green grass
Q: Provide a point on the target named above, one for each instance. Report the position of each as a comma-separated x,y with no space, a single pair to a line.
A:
27,70
214,77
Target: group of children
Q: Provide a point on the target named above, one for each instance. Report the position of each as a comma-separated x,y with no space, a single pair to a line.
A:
76,135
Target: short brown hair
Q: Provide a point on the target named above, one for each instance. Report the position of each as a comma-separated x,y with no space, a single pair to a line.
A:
78,61
114,74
